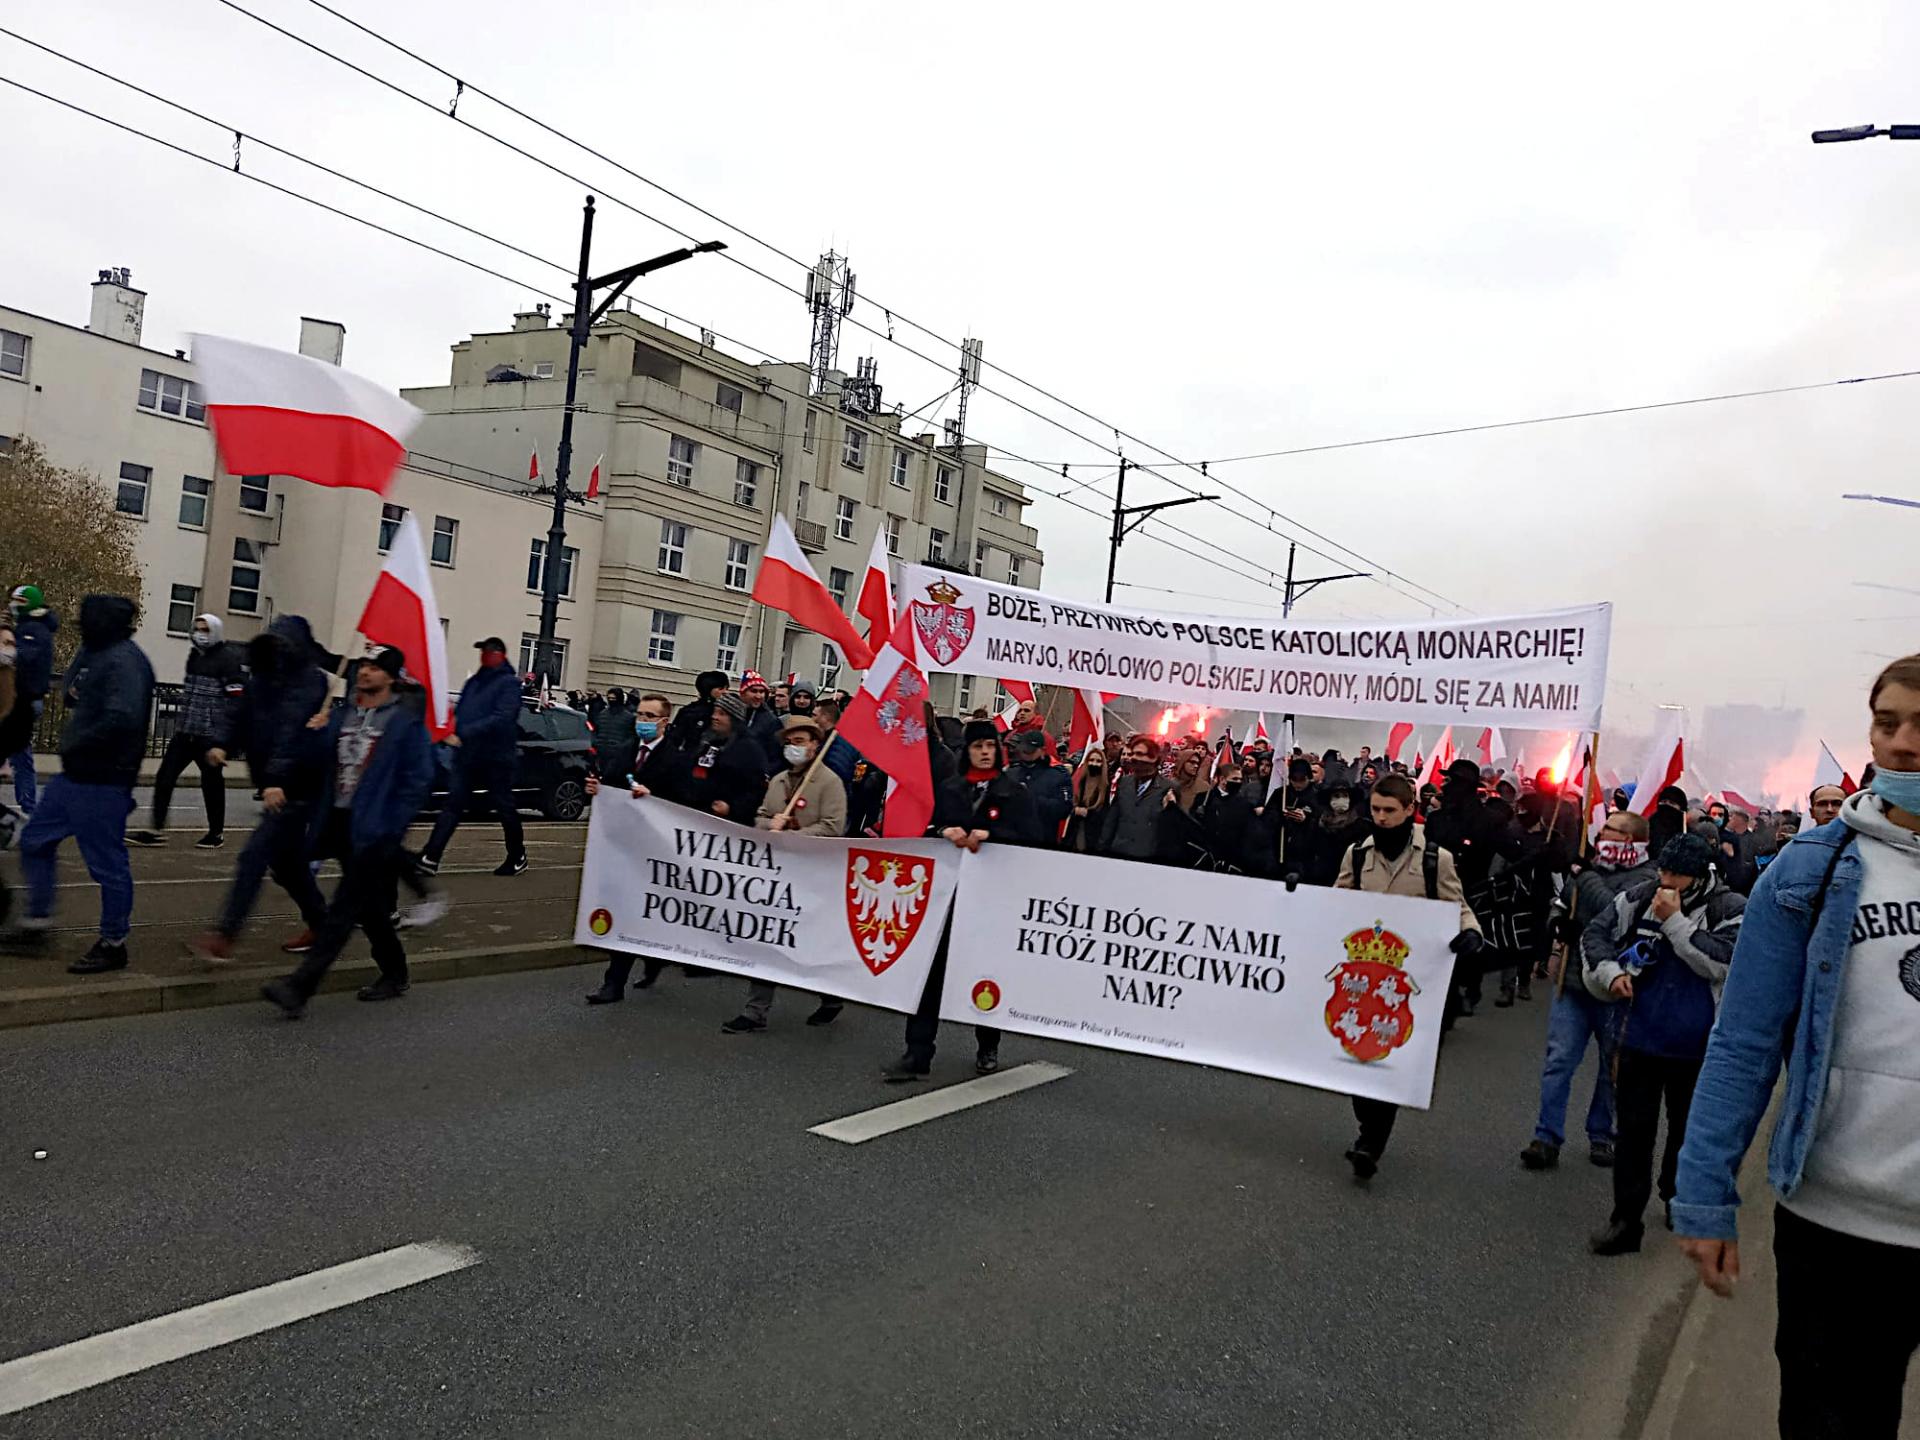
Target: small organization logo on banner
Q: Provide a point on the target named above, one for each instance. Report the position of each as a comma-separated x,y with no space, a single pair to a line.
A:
886,901
986,995
1369,1011
944,627
600,922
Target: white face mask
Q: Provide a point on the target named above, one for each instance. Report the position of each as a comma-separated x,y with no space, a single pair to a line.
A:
202,640
796,754
1339,804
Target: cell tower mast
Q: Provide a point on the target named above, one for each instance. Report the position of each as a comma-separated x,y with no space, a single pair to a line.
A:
829,298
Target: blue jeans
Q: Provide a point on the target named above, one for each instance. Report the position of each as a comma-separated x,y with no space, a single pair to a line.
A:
1575,1018
96,817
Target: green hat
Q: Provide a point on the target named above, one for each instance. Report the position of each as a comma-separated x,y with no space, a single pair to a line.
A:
29,596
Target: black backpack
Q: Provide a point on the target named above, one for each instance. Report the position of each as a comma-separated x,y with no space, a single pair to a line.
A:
1429,866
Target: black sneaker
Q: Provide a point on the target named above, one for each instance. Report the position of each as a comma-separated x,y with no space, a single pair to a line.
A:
147,838
606,995
1539,1155
212,840
1365,1163
649,974
743,1025
1619,1238
383,989
282,993
512,865
426,866
986,1062
826,1014
100,959
905,1069
1600,1152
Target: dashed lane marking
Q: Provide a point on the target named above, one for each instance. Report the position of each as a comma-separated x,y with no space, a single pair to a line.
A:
931,1105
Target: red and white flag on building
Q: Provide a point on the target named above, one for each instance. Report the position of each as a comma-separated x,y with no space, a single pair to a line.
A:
1661,766
593,480
1441,758
875,605
1088,728
1828,771
533,464
273,412
402,612
884,722
786,582
1397,738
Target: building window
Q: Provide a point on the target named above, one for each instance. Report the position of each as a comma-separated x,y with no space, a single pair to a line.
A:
937,546
853,454
729,397
530,654
253,493
999,504
727,657
131,497
800,497
536,569
661,642
843,519
446,539
942,484
182,606
1013,569
893,534
739,557
829,667
171,395
243,586
673,548
194,495
746,481
680,453
543,369
13,354
899,475
807,433
980,558
391,517
837,582
963,699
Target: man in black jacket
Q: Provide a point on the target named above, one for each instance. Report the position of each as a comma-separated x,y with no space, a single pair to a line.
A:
1282,838
981,805
691,723
486,751
762,723
1046,783
34,623
286,758
109,699
1130,822
216,679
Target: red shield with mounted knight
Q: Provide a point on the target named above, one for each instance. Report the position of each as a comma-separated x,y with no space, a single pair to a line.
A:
1371,1009
943,626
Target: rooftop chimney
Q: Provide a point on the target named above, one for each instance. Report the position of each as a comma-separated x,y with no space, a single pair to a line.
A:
323,339
534,319
118,308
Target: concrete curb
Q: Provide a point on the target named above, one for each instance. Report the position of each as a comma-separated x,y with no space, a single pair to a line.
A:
151,995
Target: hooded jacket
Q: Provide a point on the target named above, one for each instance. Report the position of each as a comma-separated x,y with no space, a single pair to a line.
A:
33,658
289,686
1677,993
109,697
215,684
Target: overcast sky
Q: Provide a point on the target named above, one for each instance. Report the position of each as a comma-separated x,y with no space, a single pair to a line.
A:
1225,229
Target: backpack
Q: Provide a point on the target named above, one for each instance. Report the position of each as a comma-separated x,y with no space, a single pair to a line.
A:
1429,867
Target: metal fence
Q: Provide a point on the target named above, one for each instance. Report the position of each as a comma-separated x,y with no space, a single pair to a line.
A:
165,719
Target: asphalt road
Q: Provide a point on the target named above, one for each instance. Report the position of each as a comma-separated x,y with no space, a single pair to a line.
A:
1140,1249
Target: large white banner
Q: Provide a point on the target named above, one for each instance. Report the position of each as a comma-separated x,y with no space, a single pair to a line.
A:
1332,988
1533,672
854,918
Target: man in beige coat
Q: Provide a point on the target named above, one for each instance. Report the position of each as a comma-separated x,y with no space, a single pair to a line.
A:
1396,860
805,799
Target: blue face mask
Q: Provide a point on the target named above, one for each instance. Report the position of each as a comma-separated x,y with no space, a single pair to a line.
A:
1899,788
646,729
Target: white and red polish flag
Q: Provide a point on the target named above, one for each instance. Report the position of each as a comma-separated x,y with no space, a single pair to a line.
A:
533,463
1088,728
1439,760
274,412
875,605
786,582
402,612
1259,731
593,480
1828,771
884,722
1662,764
1396,738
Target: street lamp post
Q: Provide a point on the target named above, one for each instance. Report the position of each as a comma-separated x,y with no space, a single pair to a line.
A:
585,314
1127,518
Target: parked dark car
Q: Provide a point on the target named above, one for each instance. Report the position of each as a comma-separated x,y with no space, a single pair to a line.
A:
555,756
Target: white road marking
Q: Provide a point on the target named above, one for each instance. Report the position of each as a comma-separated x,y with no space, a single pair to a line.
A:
65,1369
932,1104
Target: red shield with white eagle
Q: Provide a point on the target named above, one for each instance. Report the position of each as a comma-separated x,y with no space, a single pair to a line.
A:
944,627
1371,1009
887,897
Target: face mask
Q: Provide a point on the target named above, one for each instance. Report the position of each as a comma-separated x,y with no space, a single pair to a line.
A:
1339,804
1622,854
1142,767
202,640
1899,788
646,729
1229,787
797,754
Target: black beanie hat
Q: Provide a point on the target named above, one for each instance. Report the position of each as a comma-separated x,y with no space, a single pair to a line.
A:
979,730
1464,772
1687,855
709,681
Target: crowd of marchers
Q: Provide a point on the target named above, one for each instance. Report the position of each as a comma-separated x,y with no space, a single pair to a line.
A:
1697,950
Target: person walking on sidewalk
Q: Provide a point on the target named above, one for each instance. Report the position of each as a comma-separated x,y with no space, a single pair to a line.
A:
287,692
33,627
380,767
210,697
1620,863
1827,978
1663,951
109,697
804,799
486,741
1399,858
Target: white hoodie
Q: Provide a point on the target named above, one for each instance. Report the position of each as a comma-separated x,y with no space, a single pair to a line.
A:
1863,1169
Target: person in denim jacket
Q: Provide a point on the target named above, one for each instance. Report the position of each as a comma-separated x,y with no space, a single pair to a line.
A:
1827,978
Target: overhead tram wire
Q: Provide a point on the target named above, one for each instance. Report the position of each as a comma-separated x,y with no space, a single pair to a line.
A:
524,285
1382,575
